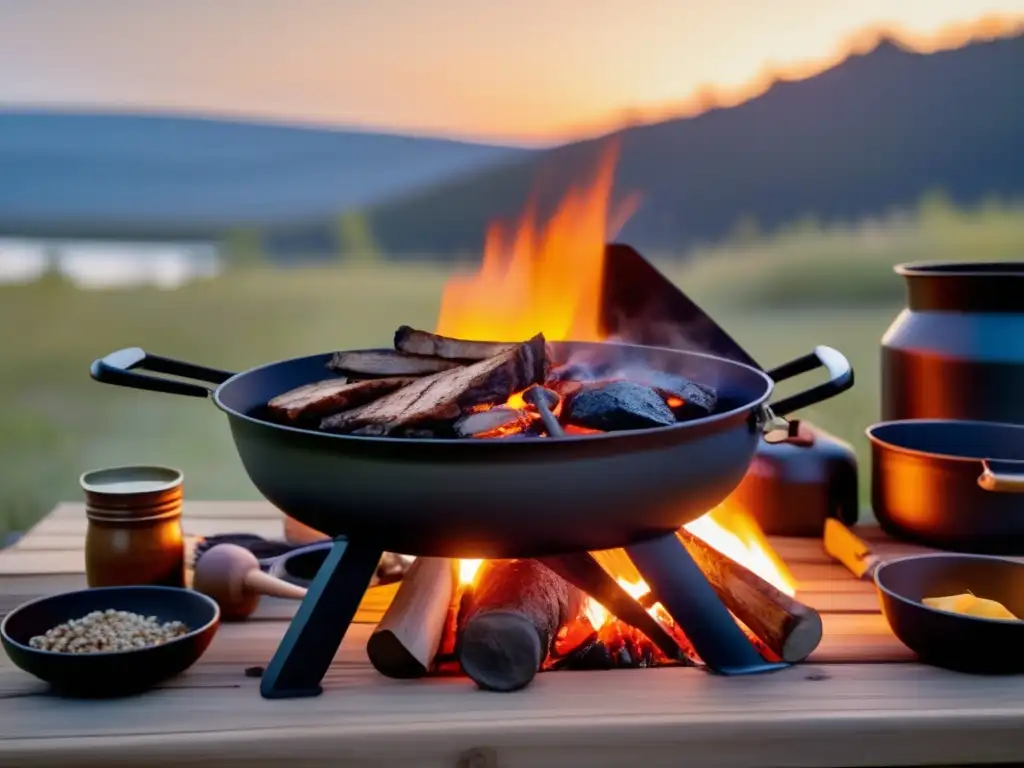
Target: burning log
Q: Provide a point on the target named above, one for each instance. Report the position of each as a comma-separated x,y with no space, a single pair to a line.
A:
445,396
484,423
586,570
619,405
388,363
790,629
514,613
406,640
414,342
323,398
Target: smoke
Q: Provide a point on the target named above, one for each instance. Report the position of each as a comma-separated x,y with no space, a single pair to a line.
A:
619,359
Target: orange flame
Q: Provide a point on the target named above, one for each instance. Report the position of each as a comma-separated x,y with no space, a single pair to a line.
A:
598,615
548,279
540,280
733,532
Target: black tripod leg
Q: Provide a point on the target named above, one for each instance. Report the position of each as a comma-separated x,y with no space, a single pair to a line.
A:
680,585
313,637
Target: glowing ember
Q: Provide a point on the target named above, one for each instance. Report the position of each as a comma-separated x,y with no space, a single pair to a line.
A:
468,569
598,616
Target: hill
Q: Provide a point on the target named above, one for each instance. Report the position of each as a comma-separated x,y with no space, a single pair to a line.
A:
876,131
82,173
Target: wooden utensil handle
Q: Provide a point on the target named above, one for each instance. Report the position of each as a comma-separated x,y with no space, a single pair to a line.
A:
268,585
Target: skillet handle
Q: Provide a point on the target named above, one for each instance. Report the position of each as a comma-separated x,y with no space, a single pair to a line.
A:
117,369
1002,476
840,379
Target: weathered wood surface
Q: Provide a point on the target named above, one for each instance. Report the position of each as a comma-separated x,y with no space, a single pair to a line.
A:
858,701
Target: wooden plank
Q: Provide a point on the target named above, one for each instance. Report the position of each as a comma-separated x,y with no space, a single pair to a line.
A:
841,602
807,715
16,561
848,639
48,542
793,549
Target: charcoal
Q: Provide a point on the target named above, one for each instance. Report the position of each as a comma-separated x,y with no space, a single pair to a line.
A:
698,399
619,405
593,656
598,654
623,657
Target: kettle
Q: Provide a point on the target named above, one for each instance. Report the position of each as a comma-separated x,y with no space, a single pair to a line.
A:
795,484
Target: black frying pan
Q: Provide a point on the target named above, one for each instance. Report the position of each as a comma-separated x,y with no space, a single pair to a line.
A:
494,498
956,485
953,640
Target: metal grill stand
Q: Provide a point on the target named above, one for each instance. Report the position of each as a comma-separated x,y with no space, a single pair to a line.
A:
316,632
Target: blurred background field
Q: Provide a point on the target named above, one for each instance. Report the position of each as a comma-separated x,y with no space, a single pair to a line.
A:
779,295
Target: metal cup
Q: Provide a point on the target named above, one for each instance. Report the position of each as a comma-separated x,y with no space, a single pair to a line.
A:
134,535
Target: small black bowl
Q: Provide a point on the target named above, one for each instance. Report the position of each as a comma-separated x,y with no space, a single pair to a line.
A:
952,640
116,673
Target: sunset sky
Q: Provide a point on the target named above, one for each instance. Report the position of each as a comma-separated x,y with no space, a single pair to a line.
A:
526,71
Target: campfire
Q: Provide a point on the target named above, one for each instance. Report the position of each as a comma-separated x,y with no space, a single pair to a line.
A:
502,621
488,373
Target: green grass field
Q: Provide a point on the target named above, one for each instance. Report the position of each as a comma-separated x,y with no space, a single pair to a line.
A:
779,297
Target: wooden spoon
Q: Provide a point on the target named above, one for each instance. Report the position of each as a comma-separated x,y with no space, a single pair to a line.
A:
231,575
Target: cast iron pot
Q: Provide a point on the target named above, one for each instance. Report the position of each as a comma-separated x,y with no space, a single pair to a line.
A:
494,498
953,485
957,350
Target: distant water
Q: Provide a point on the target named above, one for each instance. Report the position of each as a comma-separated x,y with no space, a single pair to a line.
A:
108,265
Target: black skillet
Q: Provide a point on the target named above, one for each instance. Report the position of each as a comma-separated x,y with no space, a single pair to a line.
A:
953,640
493,498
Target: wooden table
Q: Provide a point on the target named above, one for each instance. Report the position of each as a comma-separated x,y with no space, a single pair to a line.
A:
860,700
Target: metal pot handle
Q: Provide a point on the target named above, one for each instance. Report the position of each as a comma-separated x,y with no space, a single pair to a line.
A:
1002,476
840,379
117,369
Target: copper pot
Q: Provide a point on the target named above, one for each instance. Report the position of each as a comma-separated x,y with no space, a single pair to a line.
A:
134,534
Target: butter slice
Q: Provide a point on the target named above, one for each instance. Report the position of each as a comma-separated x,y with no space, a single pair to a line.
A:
971,605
